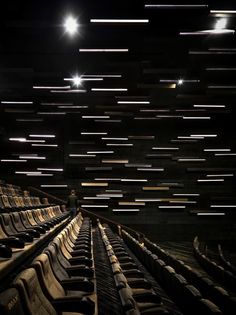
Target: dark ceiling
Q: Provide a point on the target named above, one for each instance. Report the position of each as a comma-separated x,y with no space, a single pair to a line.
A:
162,126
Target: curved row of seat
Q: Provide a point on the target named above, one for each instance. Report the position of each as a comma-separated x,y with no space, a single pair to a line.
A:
226,263
136,293
218,272
187,287
60,280
18,203
10,190
22,233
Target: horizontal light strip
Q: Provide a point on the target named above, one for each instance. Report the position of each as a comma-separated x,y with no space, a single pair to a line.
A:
15,102
114,139
40,175
221,69
133,102
150,169
93,133
109,89
176,6
27,157
109,50
209,106
204,135
66,87
210,180
96,198
125,210
133,180
190,160
209,32
219,175
54,186
210,213
100,152
27,172
171,207
223,11
135,21
94,206
115,161
165,148
95,117
13,161
50,169
220,150
197,117
82,155
84,79
42,136
223,206
119,144
187,195
44,145
94,184
102,75
225,154
131,203
69,91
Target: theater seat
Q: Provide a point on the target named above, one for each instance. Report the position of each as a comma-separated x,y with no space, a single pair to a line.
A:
10,303
36,303
5,251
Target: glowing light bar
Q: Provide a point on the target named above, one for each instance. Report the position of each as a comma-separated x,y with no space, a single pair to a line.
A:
15,102
83,155
204,135
50,169
223,11
135,21
165,148
225,154
65,87
125,210
209,32
119,144
171,207
93,133
42,136
13,161
44,145
219,175
121,139
100,152
210,180
223,206
94,206
186,195
218,150
190,160
197,117
209,106
105,50
109,89
27,157
176,6
210,213
54,186
133,102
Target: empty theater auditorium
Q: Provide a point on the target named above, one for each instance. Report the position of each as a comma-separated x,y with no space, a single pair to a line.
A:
117,157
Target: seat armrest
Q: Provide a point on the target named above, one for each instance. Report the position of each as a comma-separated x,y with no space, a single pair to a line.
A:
74,304
79,284
80,270
26,237
5,251
12,242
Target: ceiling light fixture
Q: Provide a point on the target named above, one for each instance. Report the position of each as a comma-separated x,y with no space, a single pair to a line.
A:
221,24
71,25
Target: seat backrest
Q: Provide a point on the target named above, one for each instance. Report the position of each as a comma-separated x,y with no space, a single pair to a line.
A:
10,303
33,299
48,281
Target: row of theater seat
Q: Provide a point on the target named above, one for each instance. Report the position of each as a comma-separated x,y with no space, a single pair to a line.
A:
10,190
17,203
186,286
60,280
136,293
213,292
226,263
22,233
221,274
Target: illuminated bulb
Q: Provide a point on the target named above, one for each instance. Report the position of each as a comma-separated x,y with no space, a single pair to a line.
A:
180,81
220,24
77,80
71,25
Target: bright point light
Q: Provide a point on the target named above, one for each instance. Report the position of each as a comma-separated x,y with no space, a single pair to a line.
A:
77,80
71,25
180,81
220,24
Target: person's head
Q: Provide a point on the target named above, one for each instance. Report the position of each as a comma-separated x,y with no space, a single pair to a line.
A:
72,192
